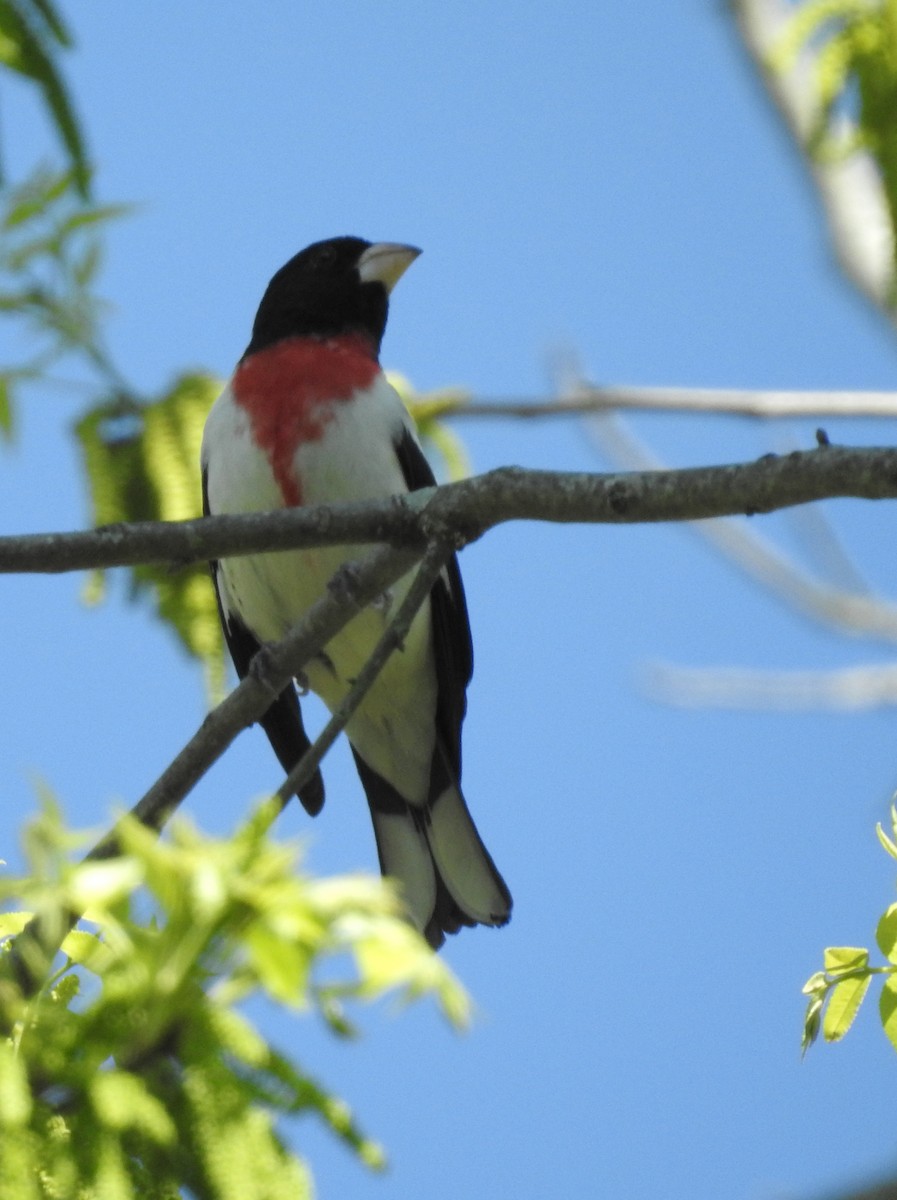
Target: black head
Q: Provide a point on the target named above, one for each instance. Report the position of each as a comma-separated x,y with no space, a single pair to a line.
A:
331,288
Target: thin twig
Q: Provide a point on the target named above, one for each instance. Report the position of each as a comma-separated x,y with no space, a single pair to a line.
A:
391,640
590,398
354,587
853,613
825,547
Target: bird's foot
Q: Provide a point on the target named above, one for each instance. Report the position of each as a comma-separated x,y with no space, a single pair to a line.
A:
344,582
383,603
263,668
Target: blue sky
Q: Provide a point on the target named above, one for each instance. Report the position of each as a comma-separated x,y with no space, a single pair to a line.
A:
581,175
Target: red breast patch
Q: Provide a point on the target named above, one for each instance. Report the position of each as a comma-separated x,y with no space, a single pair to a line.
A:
290,391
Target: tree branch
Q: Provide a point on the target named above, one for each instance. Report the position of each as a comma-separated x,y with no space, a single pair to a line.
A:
468,509
419,525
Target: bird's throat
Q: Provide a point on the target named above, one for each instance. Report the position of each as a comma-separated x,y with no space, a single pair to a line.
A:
290,392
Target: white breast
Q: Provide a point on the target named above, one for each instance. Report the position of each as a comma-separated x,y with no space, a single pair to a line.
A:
394,729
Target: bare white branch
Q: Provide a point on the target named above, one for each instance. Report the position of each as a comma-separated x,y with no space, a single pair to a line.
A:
852,689
855,613
586,399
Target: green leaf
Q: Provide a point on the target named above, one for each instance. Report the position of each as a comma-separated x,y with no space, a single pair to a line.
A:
888,1009
843,1005
894,818
850,51
110,1175
86,217
87,950
85,266
101,884
164,1087
17,259
20,1170
122,1101
12,923
6,408
806,22
426,411
23,50
838,959
53,21
886,934
35,196
816,983
239,1036
451,449
888,844
812,1020
15,1095
296,1092
65,991
282,966
391,954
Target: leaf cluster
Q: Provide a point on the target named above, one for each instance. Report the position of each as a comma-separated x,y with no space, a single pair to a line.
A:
856,81
32,35
50,253
837,991
141,461
140,455
427,410
135,1072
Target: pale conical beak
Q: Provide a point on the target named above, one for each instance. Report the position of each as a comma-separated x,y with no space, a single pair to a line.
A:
386,263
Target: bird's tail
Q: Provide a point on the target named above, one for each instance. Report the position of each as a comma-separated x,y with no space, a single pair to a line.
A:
447,875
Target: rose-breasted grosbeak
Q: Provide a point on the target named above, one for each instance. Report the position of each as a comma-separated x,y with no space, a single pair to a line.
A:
307,418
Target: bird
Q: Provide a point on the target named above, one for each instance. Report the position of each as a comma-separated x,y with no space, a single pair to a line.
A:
309,417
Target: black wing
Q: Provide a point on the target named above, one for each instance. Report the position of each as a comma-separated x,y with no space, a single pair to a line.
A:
451,627
283,720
